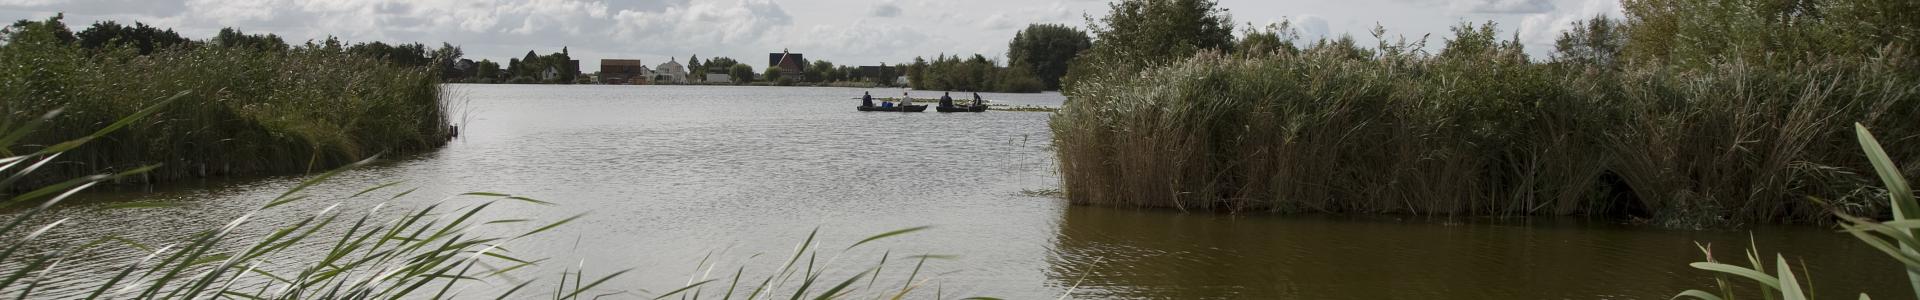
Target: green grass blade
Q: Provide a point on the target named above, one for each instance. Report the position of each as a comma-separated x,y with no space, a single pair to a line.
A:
829,294
577,289
1898,191
888,234
516,288
684,289
1696,294
285,197
1757,276
555,224
375,188
21,132
1789,286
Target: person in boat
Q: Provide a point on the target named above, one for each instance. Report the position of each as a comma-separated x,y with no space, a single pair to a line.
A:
905,99
866,99
976,100
946,100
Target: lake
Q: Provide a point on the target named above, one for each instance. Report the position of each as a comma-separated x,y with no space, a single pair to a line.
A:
667,175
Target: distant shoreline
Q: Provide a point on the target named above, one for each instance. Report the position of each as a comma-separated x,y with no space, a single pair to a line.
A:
864,85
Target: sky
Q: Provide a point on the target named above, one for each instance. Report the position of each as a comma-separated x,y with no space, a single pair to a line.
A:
846,32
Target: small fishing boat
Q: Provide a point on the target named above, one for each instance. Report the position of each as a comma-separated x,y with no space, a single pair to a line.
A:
907,108
970,108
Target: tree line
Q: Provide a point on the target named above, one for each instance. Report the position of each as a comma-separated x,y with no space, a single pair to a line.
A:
1038,57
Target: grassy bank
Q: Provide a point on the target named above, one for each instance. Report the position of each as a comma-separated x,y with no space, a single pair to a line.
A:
242,110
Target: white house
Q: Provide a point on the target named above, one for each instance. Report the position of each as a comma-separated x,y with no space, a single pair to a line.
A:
671,72
550,74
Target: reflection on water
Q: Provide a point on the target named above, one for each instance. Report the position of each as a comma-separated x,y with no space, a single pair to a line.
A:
1155,254
668,174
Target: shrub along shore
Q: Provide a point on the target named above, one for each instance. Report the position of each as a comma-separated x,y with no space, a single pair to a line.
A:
243,108
1635,119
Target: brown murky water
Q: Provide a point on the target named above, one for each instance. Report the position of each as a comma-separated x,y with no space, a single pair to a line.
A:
668,175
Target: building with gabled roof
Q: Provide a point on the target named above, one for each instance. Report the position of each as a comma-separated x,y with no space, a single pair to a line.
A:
791,65
623,71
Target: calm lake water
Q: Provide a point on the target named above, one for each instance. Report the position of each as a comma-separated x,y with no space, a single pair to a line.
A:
667,175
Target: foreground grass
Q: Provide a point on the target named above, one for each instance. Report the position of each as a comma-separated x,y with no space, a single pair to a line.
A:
1897,238
240,111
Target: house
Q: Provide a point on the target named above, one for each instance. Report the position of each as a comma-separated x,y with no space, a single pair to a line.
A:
550,74
791,65
671,72
623,71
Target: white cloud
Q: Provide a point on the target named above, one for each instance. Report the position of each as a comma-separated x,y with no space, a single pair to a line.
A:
997,21
864,38
1503,6
1539,30
1312,27
699,26
232,12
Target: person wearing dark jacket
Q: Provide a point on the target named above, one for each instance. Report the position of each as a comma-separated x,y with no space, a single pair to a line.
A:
946,100
976,100
866,99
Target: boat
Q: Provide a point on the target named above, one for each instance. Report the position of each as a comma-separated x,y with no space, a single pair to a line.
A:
972,108
907,108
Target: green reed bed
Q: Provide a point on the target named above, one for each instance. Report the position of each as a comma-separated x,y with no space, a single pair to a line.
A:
241,111
1484,133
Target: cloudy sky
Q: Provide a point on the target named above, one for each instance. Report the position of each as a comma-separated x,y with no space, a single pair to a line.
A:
849,32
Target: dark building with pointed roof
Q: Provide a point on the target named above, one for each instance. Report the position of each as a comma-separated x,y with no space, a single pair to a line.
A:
791,64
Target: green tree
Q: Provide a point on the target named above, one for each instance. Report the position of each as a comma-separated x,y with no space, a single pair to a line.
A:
487,71
234,38
772,74
1047,50
1595,42
146,39
720,65
1481,42
817,72
1140,33
694,69
916,74
446,57
1277,38
741,73
52,31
